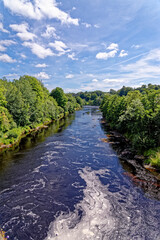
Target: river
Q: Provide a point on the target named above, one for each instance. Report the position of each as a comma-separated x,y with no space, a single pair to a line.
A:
66,183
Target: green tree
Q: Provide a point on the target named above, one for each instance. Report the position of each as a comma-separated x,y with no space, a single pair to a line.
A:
59,95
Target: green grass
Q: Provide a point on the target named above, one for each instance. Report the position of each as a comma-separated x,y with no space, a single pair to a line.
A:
153,157
155,160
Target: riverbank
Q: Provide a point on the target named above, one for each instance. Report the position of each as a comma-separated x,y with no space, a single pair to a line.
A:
11,139
125,151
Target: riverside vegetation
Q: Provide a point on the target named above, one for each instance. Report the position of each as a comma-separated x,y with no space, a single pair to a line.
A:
136,114
26,105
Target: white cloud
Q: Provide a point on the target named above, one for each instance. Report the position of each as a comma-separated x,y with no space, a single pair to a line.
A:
39,50
108,80
2,28
90,75
69,76
2,48
123,53
19,27
136,46
43,65
23,32
79,47
11,75
4,43
113,46
96,26
40,9
100,85
59,46
102,55
6,58
25,36
71,90
106,55
72,56
50,32
42,75
104,85
147,67
87,25
7,42
23,56
95,80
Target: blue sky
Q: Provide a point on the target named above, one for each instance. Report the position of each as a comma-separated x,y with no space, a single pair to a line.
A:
81,45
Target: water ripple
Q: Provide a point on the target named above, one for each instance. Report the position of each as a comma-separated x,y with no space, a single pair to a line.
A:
104,215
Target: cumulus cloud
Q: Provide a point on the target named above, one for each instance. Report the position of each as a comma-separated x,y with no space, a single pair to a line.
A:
23,56
6,58
113,46
7,42
50,32
96,26
4,43
95,80
43,65
2,48
23,32
2,28
72,56
39,9
87,25
69,76
106,55
123,53
42,75
39,50
59,46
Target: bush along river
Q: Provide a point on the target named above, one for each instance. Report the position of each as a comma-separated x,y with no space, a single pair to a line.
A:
67,183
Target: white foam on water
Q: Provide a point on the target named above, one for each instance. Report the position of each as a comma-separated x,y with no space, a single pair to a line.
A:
96,221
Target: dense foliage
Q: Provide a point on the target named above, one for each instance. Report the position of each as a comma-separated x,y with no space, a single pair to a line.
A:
26,104
137,115
124,90
90,98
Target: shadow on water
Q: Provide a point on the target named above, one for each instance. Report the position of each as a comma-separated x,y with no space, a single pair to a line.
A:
32,140
132,163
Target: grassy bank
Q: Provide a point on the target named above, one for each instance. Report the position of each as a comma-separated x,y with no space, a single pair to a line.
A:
12,138
153,158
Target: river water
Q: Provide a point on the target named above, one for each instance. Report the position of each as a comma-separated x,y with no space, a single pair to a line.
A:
66,183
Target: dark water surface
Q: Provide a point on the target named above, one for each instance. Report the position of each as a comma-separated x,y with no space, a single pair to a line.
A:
67,184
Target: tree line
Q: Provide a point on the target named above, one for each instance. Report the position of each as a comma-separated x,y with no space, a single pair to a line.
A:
93,98
26,104
136,114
